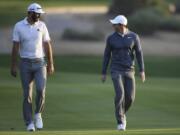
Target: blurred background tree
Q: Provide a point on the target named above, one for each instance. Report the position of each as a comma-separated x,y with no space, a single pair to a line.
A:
148,16
129,7
125,7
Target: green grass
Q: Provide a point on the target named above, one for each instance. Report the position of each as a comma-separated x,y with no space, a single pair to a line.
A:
103,132
77,103
155,66
13,10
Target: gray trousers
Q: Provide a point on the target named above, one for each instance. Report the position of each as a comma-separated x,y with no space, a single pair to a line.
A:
124,86
33,70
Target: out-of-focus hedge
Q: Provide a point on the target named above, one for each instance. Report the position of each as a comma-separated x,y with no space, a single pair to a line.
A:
149,20
72,34
145,21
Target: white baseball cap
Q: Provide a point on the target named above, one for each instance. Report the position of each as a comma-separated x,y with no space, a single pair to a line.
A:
34,7
120,19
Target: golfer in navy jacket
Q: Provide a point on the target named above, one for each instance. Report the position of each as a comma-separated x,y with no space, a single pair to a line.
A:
122,47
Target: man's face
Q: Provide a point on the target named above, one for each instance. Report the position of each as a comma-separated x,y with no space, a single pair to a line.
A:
119,28
35,16
116,27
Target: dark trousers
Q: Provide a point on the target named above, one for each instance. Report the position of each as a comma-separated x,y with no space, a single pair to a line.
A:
32,71
124,86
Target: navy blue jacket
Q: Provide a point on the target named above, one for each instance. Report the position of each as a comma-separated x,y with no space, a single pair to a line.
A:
121,50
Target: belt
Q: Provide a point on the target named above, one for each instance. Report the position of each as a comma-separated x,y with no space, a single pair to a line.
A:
35,60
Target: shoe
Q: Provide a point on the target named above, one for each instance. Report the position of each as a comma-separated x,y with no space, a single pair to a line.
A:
31,127
38,121
121,127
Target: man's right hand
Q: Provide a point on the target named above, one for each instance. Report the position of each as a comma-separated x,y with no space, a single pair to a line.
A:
14,71
14,54
143,77
103,78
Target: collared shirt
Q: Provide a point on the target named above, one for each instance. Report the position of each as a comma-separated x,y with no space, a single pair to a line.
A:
123,34
121,50
31,38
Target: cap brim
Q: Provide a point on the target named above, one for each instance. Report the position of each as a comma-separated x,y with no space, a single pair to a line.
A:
40,12
113,22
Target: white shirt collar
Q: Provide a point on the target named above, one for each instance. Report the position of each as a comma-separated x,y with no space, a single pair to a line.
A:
123,34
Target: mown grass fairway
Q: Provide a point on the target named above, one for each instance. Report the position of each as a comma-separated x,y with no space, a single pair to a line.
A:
77,103
102,132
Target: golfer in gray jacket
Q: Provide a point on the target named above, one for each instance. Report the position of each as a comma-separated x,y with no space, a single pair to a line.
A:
121,49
